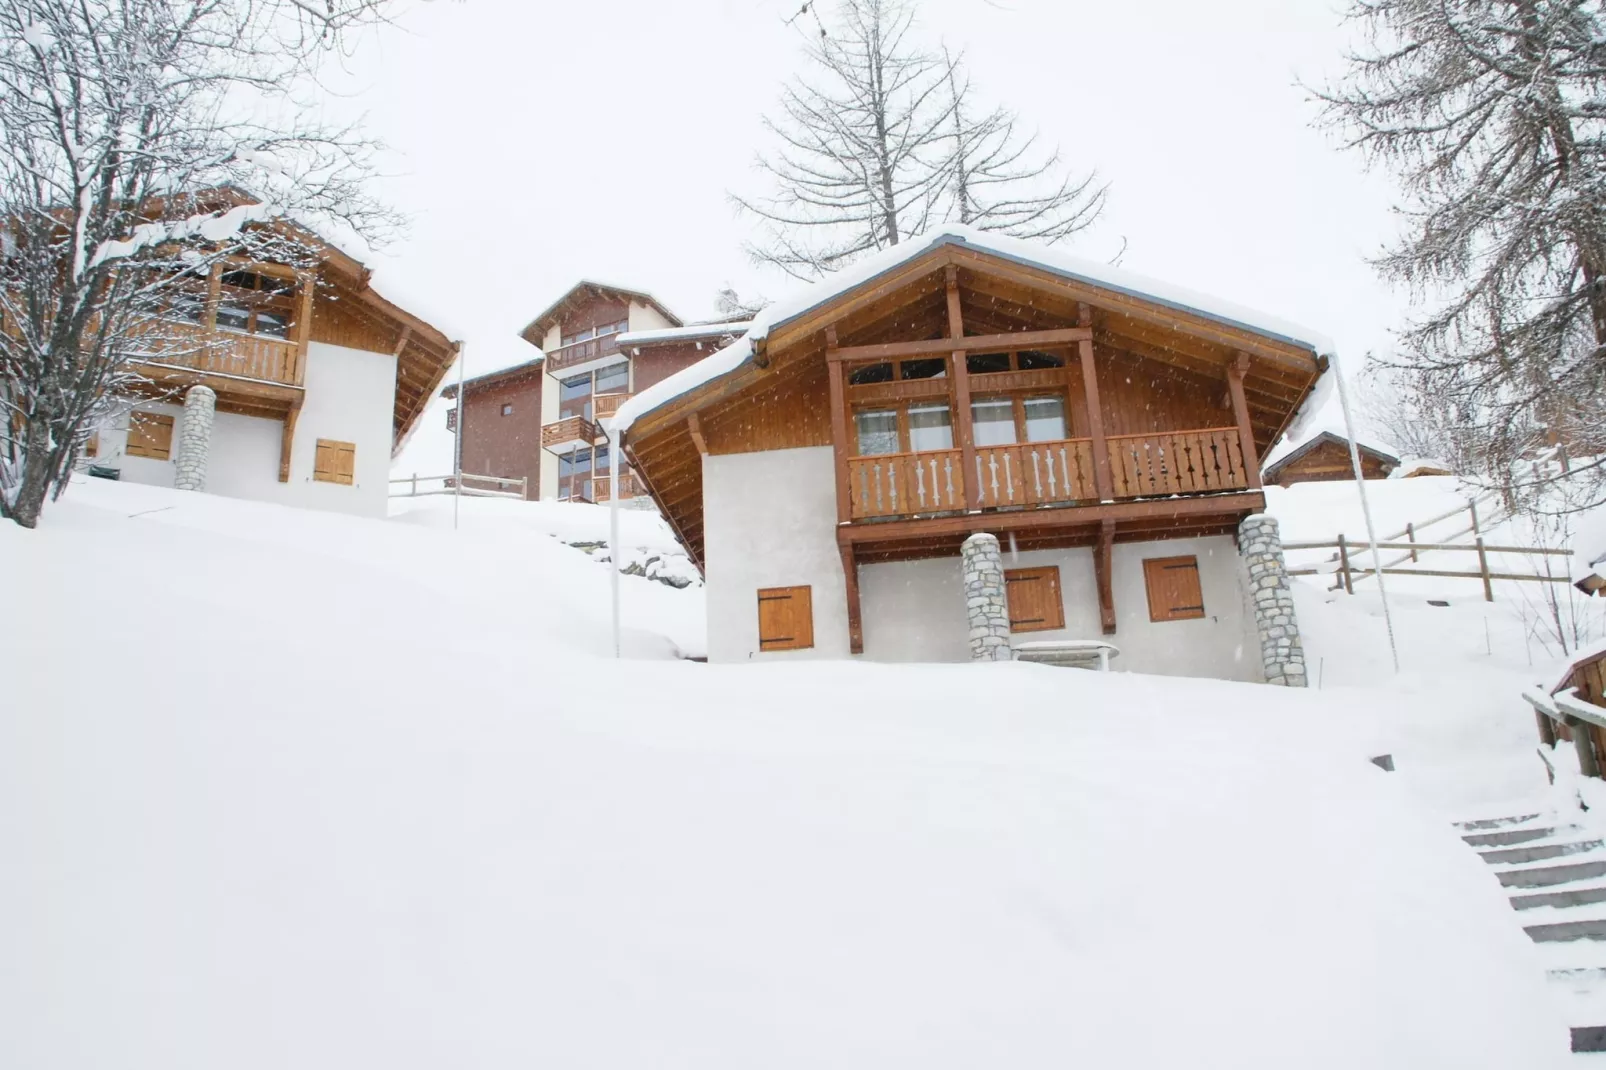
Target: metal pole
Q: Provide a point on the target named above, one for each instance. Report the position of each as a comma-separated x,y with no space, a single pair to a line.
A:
1366,507
613,533
457,444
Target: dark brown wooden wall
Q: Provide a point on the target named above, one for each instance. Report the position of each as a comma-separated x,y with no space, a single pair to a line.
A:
655,364
1329,461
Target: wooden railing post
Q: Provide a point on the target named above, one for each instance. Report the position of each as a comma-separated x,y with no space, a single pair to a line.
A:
839,427
1240,411
959,376
1584,743
1343,564
1095,413
1410,535
1483,569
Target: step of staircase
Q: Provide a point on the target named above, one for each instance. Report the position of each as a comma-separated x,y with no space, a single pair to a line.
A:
1562,931
1538,852
1495,822
1572,897
1550,876
1509,837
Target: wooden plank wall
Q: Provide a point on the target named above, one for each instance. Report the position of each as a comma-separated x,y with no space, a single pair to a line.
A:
797,413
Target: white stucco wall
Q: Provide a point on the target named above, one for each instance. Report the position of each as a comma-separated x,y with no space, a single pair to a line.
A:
915,610
349,398
770,521
646,318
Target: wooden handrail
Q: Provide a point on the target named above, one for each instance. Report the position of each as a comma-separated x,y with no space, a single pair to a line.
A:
1189,431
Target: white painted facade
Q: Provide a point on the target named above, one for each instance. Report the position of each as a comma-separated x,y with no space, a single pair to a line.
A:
770,521
350,397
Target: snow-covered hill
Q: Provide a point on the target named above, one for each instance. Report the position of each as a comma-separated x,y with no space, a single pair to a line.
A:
287,789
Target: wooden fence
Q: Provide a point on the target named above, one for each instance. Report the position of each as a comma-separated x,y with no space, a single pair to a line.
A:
1348,573
500,487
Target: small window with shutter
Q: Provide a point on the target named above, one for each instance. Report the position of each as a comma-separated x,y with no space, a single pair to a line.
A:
785,618
334,462
1173,585
150,434
1034,598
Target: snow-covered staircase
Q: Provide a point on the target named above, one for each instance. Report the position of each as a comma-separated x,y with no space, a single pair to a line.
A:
1557,878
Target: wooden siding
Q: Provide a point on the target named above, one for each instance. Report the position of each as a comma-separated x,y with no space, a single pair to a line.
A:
796,414
1330,461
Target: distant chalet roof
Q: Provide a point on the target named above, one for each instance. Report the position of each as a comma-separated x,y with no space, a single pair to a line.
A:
1269,473
812,296
535,331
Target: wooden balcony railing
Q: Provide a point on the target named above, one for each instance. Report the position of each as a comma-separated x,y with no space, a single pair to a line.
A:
608,404
629,486
579,352
906,484
249,356
1036,473
572,432
1030,474
1179,462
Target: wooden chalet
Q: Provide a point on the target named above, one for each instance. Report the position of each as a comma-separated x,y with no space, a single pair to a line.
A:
1326,456
965,383
307,362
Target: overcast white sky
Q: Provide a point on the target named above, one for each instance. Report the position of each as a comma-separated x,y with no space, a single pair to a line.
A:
537,143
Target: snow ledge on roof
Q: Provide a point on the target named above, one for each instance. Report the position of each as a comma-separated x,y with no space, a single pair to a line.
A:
812,295
690,332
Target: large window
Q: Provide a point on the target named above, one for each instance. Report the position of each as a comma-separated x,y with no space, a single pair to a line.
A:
994,421
614,379
574,475
930,428
1005,421
575,394
878,431
1044,418
255,303
599,331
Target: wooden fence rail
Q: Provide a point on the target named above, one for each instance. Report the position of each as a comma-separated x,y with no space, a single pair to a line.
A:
501,483
1348,572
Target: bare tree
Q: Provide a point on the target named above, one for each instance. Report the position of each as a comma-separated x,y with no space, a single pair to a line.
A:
128,129
1001,182
1492,113
883,138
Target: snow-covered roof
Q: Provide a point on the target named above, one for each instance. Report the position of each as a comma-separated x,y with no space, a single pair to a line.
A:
542,321
810,296
508,355
1589,546
1411,466
1291,448
690,333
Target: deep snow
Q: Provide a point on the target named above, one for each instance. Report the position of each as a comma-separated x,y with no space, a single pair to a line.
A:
280,788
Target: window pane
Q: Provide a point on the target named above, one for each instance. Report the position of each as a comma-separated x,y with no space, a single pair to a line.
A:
599,461
926,368
578,387
234,317
1045,419
874,373
613,380
275,324
991,362
582,460
878,432
930,428
1032,360
994,422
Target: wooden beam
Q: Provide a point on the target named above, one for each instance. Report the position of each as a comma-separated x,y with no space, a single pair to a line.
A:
959,375
694,427
1240,411
1102,478
304,328
839,444
1233,504
976,343
286,441
850,571
1103,564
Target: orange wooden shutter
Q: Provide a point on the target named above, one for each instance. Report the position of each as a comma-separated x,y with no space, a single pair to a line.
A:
334,462
150,434
1173,587
1035,604
785,618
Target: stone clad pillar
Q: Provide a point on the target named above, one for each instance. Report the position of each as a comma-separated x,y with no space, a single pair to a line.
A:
986,603
194,439
1281,654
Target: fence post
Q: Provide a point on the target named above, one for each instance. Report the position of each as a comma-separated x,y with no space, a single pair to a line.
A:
1410,533
1343,563
1472,507
1483,568
415,485
1583,740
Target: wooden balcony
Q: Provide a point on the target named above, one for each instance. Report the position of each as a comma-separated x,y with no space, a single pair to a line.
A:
571,433
565,357
605,405
630,486
245,356
1038,474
